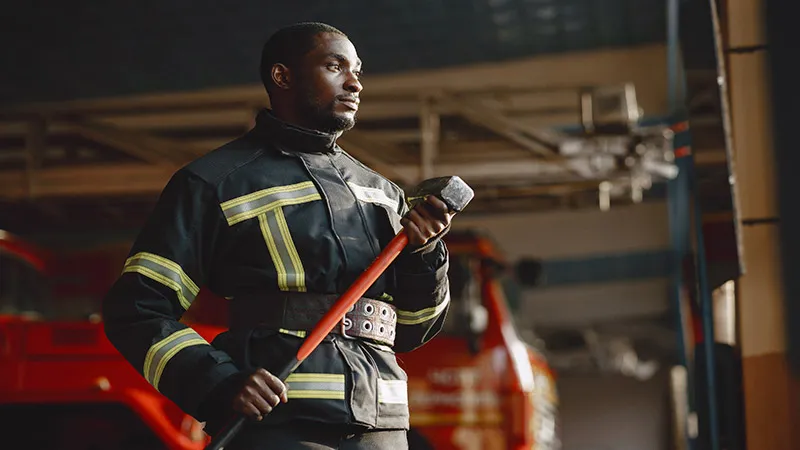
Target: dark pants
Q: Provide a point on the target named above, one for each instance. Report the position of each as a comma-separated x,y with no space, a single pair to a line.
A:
314,436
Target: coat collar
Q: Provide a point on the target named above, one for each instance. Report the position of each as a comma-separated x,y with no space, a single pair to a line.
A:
292,138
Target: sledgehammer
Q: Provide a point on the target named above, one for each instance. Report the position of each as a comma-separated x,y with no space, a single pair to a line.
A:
451,190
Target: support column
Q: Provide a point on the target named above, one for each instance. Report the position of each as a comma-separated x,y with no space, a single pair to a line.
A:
768,399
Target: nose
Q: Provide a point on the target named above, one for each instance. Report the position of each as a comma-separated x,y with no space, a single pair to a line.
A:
353,84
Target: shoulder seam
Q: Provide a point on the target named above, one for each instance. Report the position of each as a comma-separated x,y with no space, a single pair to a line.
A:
362,165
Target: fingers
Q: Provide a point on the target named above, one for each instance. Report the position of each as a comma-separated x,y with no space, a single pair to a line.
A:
415,236
275,386
437,208
261,392
426,220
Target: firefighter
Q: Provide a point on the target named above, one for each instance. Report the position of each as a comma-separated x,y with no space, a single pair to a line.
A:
280,222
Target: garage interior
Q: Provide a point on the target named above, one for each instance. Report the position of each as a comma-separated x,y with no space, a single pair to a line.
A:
544,107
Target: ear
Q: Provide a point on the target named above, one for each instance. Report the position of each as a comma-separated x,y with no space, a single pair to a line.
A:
281,76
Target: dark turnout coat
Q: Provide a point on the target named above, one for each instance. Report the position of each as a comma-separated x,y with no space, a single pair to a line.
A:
279,221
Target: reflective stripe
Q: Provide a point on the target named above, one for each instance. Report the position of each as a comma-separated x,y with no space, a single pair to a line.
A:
166,272
266,204
325,386
373,195
423,315
393,392
297,333
259,202
291,275
162,351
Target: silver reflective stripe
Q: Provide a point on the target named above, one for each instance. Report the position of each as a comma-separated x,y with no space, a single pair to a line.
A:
259,202
393,392
164,350
373,195
325,386
423,315
166,272
289,268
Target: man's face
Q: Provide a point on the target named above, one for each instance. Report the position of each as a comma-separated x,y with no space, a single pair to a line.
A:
328,84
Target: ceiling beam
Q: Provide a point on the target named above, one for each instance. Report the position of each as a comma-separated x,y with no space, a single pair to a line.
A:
142,178
147,148
493,120
95,180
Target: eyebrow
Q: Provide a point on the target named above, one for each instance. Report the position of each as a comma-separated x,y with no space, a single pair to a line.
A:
342,57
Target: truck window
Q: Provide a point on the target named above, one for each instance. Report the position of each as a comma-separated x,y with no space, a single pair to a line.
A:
23,289
465,295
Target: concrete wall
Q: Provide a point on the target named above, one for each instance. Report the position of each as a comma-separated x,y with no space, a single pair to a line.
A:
615,413
598,265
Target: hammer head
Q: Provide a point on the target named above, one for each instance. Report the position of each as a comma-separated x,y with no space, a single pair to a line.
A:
451,190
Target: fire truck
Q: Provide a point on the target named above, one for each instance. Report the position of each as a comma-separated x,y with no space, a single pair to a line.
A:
477,385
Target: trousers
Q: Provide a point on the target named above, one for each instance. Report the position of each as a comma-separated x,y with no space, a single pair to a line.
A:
316,436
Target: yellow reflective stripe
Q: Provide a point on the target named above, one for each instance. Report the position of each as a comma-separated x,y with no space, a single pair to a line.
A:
273,252
160,353
423,315
326,386
299,271
289,268
172,352
393,392
297,333
267,205
259,202
166,272
265,193
373,195
322,395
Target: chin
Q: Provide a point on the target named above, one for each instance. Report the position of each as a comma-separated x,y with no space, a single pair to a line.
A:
338,123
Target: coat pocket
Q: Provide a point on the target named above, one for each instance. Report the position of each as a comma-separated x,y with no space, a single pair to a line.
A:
391,388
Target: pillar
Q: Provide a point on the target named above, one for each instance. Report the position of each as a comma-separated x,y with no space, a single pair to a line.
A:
769,387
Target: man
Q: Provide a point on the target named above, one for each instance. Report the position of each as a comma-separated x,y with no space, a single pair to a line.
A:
281,221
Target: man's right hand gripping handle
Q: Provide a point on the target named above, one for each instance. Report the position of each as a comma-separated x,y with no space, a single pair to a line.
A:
260,392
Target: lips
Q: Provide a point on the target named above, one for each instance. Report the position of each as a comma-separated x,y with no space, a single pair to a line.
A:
350,102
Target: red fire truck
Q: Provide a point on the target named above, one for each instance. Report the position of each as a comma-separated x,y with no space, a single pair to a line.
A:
475,386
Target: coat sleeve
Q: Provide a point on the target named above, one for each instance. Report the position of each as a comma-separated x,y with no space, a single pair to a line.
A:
168,263
421,292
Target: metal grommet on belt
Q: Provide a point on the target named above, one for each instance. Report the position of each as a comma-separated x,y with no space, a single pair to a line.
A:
368,308
371,319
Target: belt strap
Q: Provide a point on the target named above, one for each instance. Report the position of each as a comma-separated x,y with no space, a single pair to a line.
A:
301,311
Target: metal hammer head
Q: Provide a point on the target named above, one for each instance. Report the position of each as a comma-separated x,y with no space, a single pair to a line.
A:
451,190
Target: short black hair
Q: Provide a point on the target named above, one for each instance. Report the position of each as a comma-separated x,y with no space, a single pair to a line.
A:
289,44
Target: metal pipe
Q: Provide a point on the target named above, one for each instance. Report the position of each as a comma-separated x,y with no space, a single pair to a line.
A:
678,210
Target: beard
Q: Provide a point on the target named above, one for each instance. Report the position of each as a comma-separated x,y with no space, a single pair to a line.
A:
323,117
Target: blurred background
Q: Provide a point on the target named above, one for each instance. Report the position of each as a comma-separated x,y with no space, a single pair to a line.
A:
632,220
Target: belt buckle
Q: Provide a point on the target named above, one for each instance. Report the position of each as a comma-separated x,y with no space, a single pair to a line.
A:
344,325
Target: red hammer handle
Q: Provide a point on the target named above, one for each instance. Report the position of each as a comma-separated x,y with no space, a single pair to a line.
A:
325,325
352,294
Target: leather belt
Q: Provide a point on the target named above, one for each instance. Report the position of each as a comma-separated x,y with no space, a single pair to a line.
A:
300,311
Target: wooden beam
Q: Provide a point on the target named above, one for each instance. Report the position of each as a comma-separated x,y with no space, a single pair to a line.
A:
147,148
113,179
35,144
494,121
189,119
96,180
